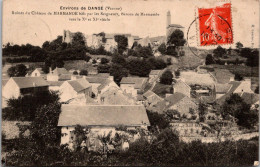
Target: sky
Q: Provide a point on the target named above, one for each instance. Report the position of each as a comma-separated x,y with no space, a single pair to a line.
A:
36,29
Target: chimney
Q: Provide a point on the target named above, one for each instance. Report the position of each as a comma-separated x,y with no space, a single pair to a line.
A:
34,85
232,78
50,71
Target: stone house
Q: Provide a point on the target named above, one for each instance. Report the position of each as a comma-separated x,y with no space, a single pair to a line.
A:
100,119
74,88
58,74
19,86
133,85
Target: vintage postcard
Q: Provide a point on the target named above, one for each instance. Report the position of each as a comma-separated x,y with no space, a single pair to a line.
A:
130,83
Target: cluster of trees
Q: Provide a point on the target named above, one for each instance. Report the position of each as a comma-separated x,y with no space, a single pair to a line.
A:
18,70
166,78
121,67
238,109
252,55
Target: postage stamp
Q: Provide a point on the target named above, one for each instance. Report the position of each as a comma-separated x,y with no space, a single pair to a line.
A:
215,25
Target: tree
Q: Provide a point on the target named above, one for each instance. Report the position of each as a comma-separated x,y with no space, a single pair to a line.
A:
103,68
166,78
75,73
246,52
120,60
19,70
176,39
210,59
104,60
157,121
122,43
80,136
253,59
236,107
177,73
239,45
78,39
118,72
162,48
219,51
257,89
24,107
83,72
138,67
238,77
202,111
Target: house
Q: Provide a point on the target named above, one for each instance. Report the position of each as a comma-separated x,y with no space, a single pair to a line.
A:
235,87
151,98
38,72
95,82
74,88
154,75
177,101
19,86
59,74
222,89
223,76
106,84
133,85
115,96
55,85
100,119
181,87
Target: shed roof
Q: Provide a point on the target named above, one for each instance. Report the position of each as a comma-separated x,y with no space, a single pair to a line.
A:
103,115
137,81
29,82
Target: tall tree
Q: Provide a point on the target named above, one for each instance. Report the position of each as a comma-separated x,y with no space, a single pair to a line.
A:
122,43
219,51
166,78
176,39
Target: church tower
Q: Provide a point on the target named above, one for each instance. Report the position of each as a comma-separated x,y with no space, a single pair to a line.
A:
168,21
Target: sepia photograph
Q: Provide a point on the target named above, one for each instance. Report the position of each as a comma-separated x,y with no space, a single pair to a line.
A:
130,83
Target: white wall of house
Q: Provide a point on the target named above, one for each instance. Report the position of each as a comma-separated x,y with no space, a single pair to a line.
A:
94,87
219,95
35,73
129,88
51,77
184,105
245,86
11,89
67,92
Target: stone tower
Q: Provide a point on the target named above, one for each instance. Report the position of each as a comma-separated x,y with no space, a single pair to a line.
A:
168,21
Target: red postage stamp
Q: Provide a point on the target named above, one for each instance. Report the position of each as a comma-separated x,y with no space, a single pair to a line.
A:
215,25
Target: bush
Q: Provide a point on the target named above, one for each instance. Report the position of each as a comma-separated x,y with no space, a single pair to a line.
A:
210,59
19,70
75,73
103,68
83,72
162,48
166,78
104,60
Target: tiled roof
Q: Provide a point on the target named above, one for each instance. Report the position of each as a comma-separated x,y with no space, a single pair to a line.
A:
4,81
222,88
59,71
55,83
148,93
223,75
29,82
179,83
79,84
155,72
103,115
137,81
249,98
175,98
99,80
234,86
65,77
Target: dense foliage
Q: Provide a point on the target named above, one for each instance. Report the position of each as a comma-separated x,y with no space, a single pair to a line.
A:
19,70
166,78
24,108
